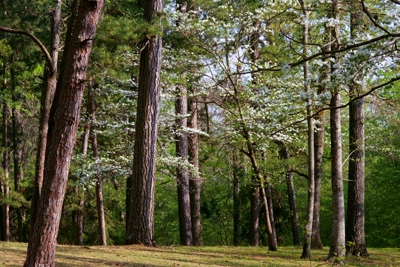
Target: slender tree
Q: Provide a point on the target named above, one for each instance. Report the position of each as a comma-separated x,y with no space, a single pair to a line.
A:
185,222
17,150
294,217
46,99
6,207
310,128
64,119
141,222
99,182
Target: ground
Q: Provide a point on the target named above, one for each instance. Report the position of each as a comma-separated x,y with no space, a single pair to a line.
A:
13,254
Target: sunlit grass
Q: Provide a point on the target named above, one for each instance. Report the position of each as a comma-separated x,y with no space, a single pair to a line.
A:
13,254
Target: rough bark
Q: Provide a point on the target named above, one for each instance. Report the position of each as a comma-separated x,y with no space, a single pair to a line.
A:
17,150
6,208
310,128
46,99
99,182
64,119
237,172
140,221
194,181
337,248
185,220
294,217
355,230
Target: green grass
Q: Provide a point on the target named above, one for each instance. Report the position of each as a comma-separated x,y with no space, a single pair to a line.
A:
13,254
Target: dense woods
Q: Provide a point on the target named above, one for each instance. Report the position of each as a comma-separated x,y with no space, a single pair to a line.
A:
213,122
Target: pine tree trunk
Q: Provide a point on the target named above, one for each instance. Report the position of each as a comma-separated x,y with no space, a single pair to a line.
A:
16,127
294,218
185,222
99,182
140,221
46,99
194,181
355,231
236,200
64,119
6,208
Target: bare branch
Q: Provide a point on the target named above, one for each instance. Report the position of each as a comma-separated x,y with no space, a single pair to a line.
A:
36,40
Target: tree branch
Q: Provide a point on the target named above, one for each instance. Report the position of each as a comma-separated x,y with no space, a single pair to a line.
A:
36,40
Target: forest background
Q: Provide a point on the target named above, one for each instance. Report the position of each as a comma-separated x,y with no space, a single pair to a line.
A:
210,50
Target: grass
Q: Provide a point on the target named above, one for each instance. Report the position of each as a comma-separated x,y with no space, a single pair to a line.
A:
13,254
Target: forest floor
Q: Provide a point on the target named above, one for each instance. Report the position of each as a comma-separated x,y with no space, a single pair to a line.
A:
13,254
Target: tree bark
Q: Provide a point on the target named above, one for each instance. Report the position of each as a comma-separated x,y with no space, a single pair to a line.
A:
194,181
316,242
237,173
337,248
294,218
6,207
140,221
99,182
46,99
355,231
16,127
64,119
185,221
310,197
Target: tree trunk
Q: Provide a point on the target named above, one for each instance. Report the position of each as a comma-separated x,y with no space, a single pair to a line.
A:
6,207
272,245
337,248
194,181
237,173
355,232
99,182
319,151
254,212
310,197
185,222
294,218
271,210
16,127
64,119
46,99
140,221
